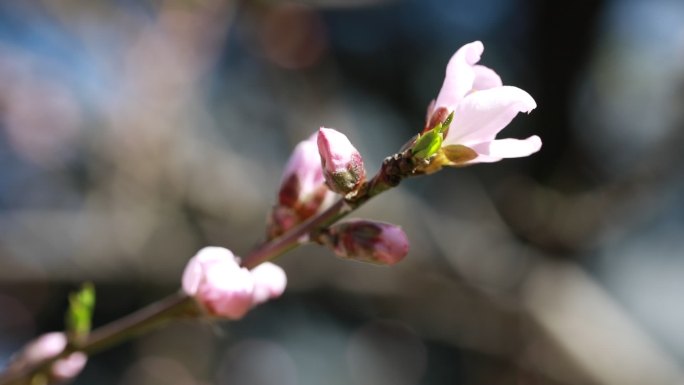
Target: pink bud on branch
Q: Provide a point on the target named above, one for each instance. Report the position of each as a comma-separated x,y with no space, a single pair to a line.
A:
342,163
302,175
368,241
302,191
48,346
214,278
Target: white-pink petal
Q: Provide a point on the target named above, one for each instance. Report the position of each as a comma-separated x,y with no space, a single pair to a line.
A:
69,367
269,282
46,346
195,272
482,114
505,148
306,164
335,149
485,78
460,75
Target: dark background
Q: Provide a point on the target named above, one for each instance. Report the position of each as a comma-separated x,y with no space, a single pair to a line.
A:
133,133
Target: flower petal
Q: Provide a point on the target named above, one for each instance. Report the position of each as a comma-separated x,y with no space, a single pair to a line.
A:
304,166
69,367
195,272
505,148
459,75
485,78
482,114
269,282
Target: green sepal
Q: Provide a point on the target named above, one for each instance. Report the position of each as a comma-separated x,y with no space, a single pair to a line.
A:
458,154
443,127
427,144
80,313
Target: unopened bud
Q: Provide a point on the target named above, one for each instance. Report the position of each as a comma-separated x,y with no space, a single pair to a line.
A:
47,347
368,241
222,288
302,175
302,190
342,163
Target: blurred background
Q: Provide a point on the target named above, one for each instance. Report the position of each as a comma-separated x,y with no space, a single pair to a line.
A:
133,133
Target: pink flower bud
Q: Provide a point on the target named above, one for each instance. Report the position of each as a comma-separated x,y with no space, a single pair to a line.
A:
342,164
214,278
303,174
369,241
69,367
302,190
48,346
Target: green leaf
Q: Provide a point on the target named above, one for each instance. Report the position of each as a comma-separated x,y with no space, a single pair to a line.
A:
80,313
428,144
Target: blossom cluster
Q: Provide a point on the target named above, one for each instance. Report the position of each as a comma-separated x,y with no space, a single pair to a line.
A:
461,128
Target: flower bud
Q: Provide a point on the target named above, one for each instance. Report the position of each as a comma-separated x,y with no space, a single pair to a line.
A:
214,278
342,164
46,347
368,241
302,175
69,367
302,190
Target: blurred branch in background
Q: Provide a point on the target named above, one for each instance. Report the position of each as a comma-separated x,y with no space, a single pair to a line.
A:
592,331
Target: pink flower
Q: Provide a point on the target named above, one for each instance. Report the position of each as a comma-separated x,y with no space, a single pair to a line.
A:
342,164
368,241
302,189
48,346
482,106
214,278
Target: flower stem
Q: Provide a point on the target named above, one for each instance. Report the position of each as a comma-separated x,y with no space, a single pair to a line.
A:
296,236
145,319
